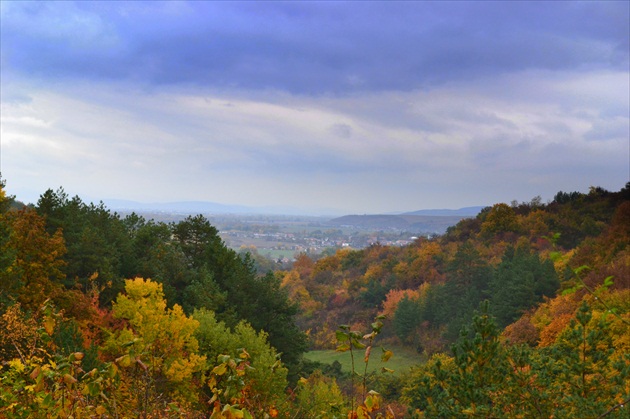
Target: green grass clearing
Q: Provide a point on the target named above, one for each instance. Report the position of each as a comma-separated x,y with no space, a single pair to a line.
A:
401,362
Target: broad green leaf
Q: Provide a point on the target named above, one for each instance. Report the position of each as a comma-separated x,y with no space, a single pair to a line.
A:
341,336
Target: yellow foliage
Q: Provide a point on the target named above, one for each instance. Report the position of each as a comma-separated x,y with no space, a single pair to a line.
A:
373,272
561,260
19,334
35,268
158,339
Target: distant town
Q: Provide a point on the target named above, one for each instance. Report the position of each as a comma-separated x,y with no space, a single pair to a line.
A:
281,237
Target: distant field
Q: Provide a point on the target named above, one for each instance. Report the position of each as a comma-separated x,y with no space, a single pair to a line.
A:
275,253
401,362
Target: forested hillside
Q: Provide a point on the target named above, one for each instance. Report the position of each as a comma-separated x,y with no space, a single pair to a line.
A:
516,256
522,311
549,284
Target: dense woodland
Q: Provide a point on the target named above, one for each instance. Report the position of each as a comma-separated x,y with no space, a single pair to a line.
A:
522,311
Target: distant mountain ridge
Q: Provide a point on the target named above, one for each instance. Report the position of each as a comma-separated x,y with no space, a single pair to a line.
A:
206,207
429,221
462,212
183,206
397,220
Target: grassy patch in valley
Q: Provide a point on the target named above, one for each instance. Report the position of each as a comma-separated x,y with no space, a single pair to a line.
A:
401,362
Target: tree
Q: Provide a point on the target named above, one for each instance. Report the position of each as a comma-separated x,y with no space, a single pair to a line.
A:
319,396
454,303
463,386
499,220
240,293
34,272
587,380
157,344
579,376
199,241
520,281
407,319
97,241
7,253
264,383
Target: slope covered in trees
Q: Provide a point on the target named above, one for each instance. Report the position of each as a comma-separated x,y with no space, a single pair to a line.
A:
522,311
516,256
68,297
551,282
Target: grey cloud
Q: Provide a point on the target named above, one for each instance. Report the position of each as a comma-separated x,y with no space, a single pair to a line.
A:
309,47
341,130
609,129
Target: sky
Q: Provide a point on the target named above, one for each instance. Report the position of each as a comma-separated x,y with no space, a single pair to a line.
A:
348,107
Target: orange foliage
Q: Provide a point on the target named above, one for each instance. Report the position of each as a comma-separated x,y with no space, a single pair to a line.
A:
298,293
393,298
550,309
550,333
339,299
303,265
552,317
521,331
373,272
500,221
425,264
330,263
535,226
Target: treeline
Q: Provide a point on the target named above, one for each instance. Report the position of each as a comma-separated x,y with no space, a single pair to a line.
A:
521,311
516,256
127,317
92,249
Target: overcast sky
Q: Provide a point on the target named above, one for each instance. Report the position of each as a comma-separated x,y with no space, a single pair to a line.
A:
362,107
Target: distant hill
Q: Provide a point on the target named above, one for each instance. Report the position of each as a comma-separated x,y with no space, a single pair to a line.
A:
420,224
187,206
204,207
434,221
399,220
462,212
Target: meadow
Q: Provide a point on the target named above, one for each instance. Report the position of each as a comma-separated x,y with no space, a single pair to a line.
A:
401,362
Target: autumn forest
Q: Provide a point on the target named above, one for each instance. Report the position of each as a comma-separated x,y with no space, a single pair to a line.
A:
522,311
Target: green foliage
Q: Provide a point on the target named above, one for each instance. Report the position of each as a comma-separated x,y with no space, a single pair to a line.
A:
520,281
319,397
266,376
95,238
374,293
454,303
349,341
240,294
407,319
227,384
577,377
188,258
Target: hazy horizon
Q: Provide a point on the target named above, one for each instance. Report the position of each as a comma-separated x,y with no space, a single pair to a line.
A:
368,107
